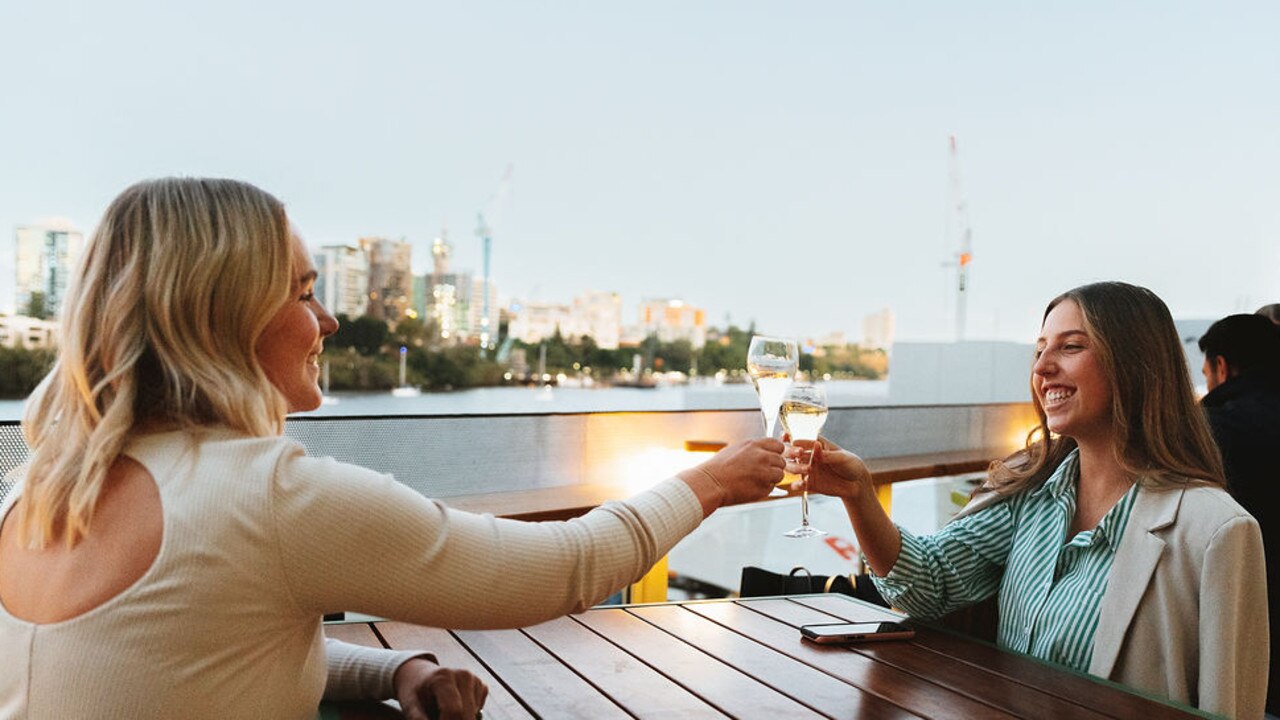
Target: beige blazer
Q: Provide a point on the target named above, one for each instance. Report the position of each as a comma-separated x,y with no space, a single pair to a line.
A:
1184,615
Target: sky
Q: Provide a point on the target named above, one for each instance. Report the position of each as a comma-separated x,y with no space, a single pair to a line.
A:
778,163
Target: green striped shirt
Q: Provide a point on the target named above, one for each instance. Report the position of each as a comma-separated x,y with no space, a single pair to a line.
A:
1049,589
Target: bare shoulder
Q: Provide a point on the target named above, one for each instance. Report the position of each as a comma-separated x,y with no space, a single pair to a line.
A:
57,583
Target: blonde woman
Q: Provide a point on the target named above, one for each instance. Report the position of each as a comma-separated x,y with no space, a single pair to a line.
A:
166,553
1110,540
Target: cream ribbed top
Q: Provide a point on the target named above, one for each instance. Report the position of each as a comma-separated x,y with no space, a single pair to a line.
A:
261,540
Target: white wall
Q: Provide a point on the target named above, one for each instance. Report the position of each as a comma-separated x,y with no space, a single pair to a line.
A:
965,372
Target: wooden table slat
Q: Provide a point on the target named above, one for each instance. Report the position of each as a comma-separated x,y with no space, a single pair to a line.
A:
354,633
500,705
638,688
1074,687
803,683
945,671
745,659
913,694
728,689
537,677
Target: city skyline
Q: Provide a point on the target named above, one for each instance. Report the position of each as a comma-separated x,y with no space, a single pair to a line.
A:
374,277
698,152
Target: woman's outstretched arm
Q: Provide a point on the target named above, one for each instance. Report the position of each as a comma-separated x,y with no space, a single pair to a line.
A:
352,539
838,472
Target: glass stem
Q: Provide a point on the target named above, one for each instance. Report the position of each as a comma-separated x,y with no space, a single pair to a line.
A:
804,501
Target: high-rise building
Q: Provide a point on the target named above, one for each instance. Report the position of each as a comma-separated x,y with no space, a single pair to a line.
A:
450,300
441,251
390,291
476,326
454,300
45,253
674,320
342,279
442,303
877,330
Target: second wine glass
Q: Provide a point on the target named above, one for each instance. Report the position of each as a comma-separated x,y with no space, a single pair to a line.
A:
772,364
804,411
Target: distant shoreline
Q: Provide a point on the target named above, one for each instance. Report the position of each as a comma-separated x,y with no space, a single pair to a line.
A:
522,399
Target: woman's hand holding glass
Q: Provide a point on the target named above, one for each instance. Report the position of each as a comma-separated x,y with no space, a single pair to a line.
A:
838,472
740,473
831,470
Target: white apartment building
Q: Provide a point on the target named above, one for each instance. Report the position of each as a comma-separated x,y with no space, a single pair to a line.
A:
673,319
877,330
836,338
19,331
601,313
597,314
537,321
342,281
45,253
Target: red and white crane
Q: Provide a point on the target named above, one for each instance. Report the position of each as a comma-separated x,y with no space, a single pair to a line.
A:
960,236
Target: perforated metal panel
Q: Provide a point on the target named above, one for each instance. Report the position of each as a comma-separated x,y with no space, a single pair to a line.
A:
13,452
446,456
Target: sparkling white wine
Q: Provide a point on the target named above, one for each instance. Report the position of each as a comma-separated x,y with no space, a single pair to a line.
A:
771,383
804,410
803,420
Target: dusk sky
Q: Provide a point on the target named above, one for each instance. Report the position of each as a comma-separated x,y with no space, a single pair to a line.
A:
778,162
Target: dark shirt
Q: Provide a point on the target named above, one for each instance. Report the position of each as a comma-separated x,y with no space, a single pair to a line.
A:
1244,413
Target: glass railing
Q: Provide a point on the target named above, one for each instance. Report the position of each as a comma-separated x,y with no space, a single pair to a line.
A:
557,465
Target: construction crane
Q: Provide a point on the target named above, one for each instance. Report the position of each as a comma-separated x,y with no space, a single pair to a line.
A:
960,233
485,233
486,236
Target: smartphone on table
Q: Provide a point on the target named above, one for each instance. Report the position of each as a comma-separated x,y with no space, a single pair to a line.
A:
843,633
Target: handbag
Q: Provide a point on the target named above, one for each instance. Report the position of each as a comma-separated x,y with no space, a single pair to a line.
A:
758,582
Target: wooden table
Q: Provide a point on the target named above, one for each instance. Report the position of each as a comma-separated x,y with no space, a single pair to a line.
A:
745,659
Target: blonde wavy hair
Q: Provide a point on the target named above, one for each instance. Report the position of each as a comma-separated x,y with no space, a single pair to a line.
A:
1161,435
158,331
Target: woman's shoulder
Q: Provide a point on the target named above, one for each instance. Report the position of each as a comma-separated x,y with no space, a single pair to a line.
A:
1197,512
208,443
1213,501
211,456
222,456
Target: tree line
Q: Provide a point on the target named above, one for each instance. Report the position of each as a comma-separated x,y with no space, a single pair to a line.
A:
21,370
364,355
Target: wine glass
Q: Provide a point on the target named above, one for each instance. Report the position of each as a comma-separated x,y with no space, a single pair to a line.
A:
804,410
772,364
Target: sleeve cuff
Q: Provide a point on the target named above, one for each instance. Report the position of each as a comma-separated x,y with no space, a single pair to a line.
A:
898,580
356,672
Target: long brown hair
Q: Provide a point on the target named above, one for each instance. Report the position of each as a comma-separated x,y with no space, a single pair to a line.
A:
1160,433
178,282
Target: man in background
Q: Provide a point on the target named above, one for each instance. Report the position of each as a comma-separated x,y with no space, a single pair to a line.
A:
1270,312
1242,372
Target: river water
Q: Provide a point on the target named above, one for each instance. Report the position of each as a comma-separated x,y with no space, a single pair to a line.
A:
523,400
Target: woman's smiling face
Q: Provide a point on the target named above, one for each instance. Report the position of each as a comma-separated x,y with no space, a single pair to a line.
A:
1068,377
290,347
